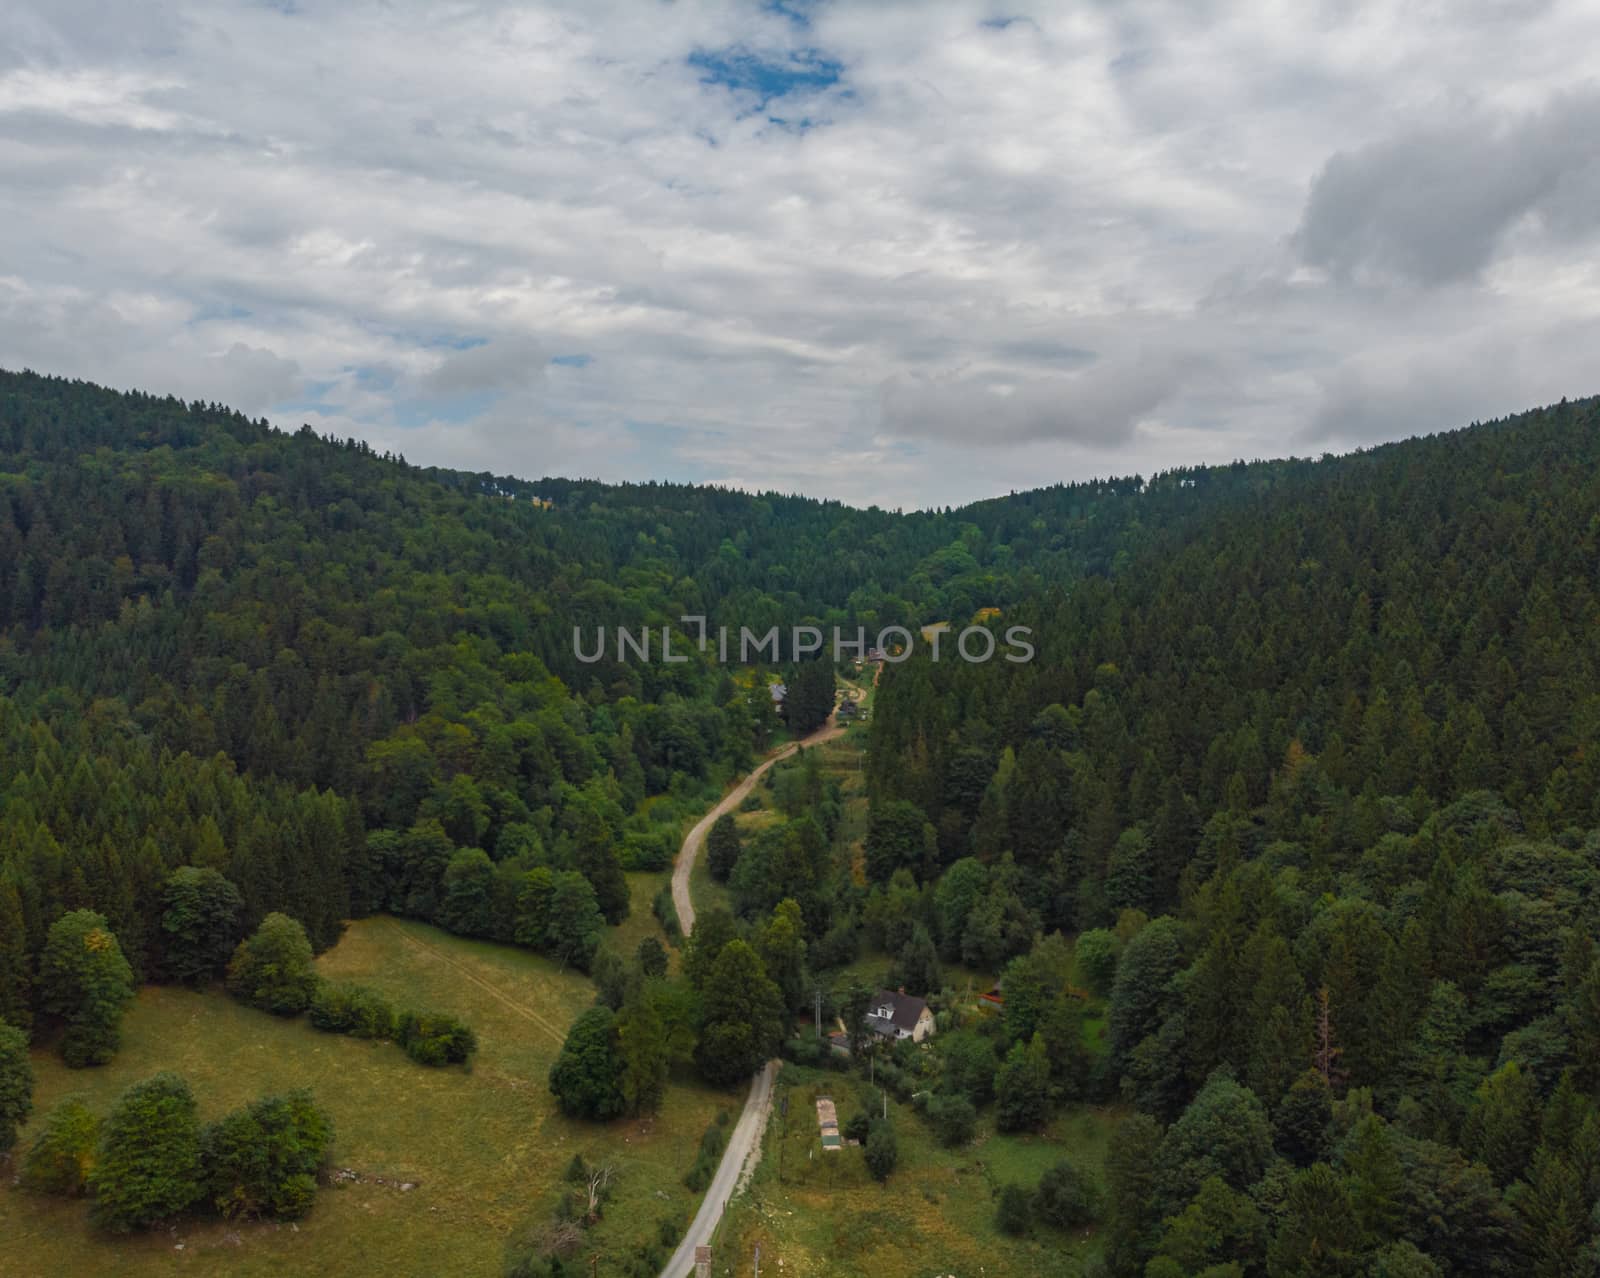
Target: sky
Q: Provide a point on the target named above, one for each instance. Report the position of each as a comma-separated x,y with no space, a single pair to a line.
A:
903,254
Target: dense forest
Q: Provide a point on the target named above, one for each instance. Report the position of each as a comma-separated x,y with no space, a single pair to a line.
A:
1316,788
1305,767
342,680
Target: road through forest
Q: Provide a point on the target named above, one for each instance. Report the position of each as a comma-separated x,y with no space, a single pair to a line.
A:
746,1136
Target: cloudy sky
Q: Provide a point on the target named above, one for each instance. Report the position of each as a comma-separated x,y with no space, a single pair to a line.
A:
910,254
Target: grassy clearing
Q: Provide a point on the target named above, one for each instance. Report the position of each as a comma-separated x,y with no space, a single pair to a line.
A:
484,1149
816,1214
643,885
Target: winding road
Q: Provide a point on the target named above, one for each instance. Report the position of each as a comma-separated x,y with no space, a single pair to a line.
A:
746,1138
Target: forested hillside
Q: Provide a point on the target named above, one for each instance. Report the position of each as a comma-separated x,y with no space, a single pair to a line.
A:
349,684
1306,766
1317,785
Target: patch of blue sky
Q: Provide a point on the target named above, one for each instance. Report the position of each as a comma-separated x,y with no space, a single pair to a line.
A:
572,361
766,77
797,11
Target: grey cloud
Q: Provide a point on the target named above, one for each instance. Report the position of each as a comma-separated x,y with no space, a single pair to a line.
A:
981,223
505,364
250,378
1100,406
1434,206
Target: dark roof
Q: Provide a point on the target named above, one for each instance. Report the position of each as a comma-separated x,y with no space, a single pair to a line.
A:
904,1011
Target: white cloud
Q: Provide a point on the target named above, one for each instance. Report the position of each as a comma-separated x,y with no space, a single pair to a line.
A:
995,258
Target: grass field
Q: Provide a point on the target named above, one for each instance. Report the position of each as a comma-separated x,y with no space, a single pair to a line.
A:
816,1214
484,1150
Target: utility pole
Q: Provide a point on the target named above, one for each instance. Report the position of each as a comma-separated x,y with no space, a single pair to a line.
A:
758,1260
819,1012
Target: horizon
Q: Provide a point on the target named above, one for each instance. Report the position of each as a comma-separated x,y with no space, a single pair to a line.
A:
1107,477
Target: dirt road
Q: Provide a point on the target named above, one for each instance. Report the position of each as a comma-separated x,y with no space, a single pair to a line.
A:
696,838
746,1137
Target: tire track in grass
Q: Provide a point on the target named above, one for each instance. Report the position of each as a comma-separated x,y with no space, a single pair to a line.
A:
521,1009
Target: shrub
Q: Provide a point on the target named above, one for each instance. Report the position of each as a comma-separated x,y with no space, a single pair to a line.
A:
373,1015
651,956
262,1160
147,1167
272,969
16,1085
857,1126
649,852
1013,1213
712,1141
954,1119
667,915
352,1009
435,1038
1066,1197
62,1155
882,1150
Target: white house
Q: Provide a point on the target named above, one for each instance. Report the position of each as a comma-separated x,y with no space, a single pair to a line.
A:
894,1015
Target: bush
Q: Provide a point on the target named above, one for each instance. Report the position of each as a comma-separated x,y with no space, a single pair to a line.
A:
272,969
262,1161
882,1150
1066,1197
954,1119
712,1141
354,1010
648,852
1014,1212
147,1168
62,1155
857,1126
651,956
435,1038
667,915
16,1085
